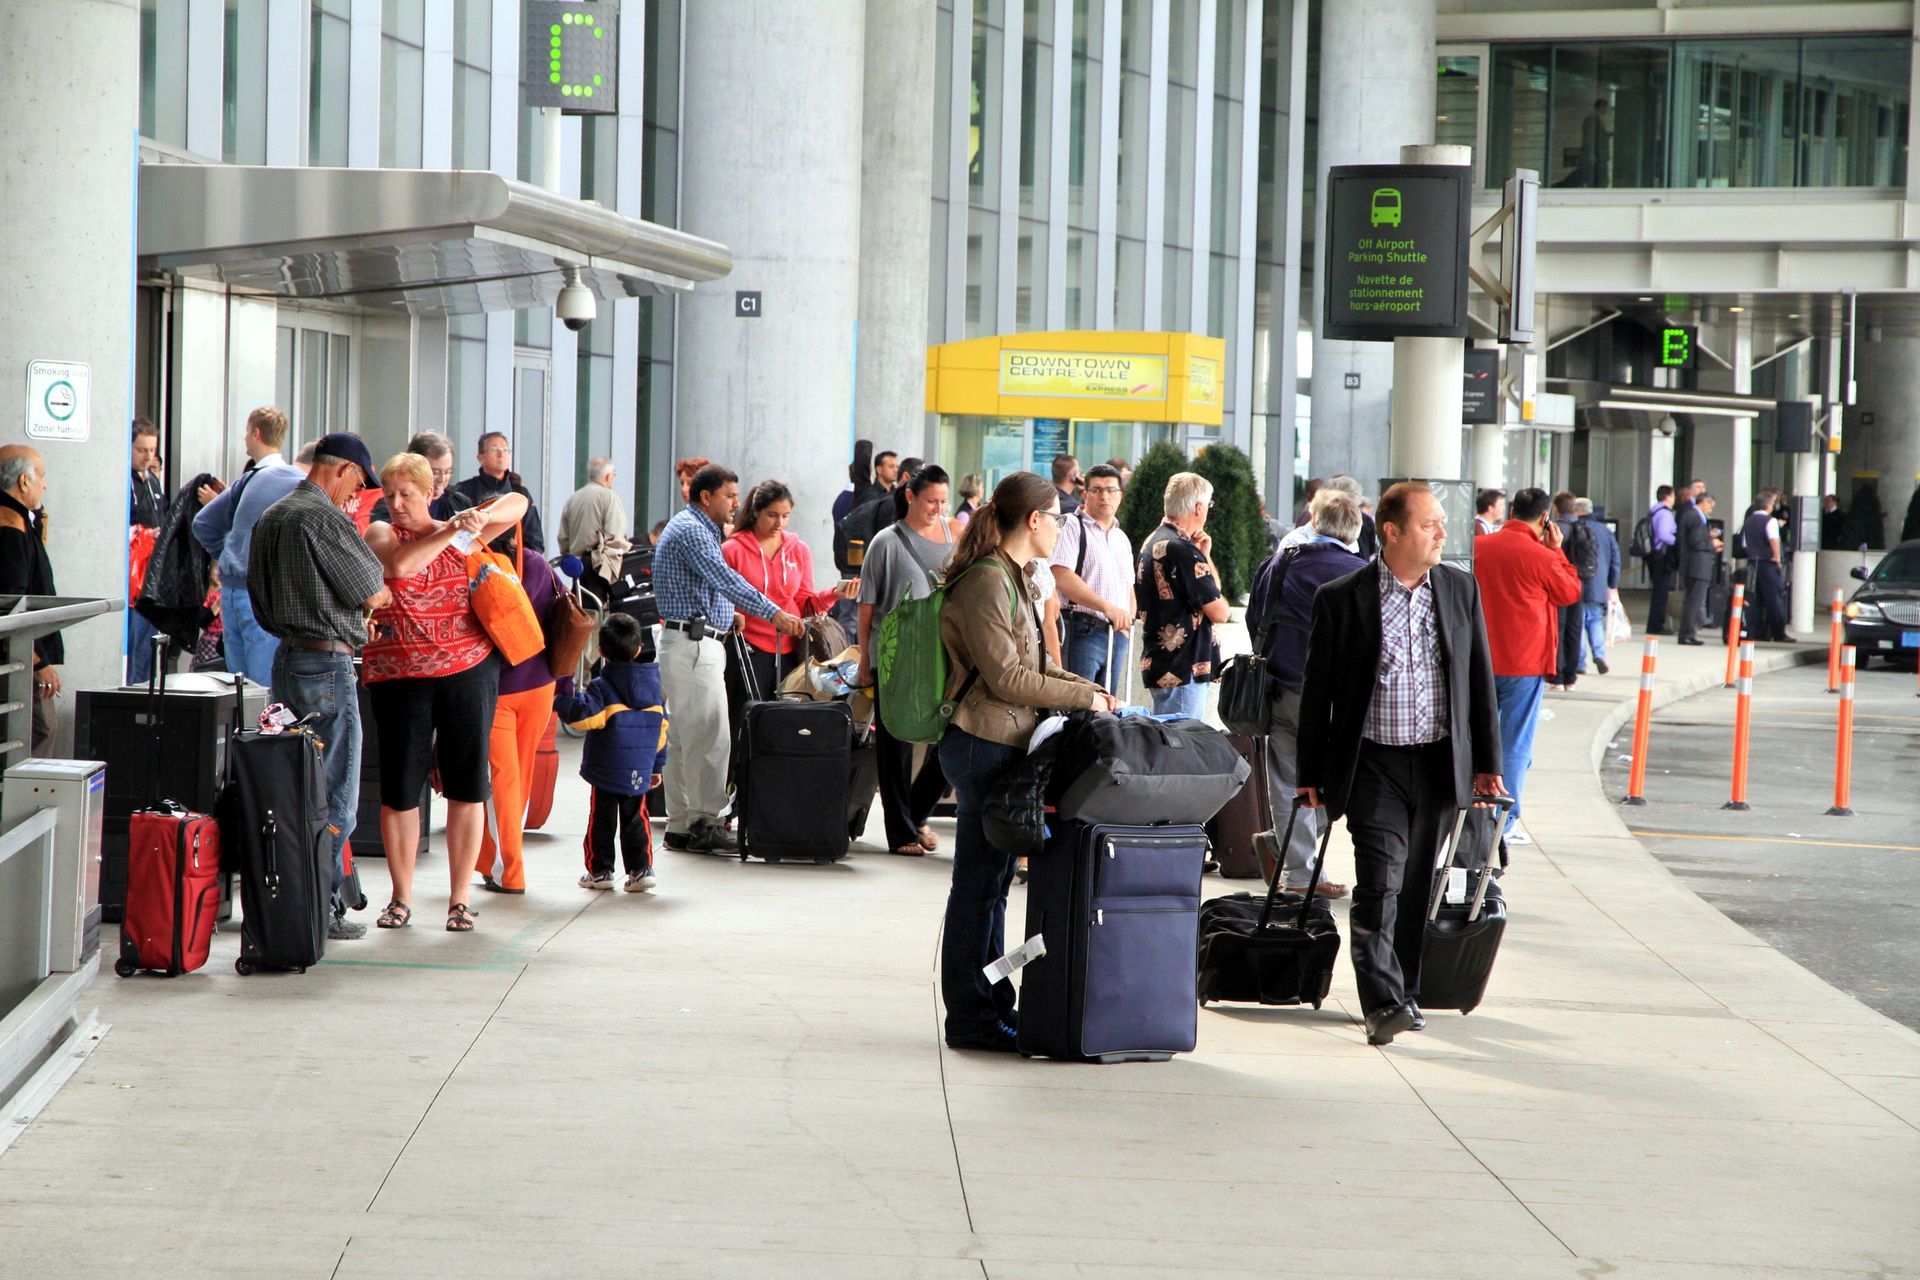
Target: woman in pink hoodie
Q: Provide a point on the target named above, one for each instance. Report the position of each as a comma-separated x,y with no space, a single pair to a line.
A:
781,566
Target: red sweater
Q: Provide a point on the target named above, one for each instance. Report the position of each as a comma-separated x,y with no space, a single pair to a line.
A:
785,577
1523,583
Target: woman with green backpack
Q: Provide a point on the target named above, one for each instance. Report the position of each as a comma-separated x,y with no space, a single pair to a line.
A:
999,681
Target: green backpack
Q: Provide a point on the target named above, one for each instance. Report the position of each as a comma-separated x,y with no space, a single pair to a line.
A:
910,664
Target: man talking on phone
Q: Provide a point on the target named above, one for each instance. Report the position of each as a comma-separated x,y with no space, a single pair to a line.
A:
1399,731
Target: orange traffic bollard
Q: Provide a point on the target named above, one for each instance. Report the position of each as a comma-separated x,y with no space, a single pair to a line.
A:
1836,630
1642,721
1736,612
1843,753
1742,729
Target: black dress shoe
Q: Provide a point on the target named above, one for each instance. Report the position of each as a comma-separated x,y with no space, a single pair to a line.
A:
491,885
1384,1024
678,840
1690,640
998,1038
1419,1018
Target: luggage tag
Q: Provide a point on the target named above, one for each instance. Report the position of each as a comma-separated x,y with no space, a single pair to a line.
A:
276,718
1457,886
1018,958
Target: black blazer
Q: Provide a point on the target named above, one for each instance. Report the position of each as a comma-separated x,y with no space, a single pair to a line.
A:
1343,665
1698,559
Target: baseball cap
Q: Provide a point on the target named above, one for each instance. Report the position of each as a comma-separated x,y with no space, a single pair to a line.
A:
347,447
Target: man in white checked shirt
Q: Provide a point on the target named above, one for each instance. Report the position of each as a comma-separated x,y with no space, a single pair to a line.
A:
1399,730
1093,568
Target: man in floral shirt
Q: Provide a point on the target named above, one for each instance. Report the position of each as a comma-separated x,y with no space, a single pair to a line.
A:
1178,589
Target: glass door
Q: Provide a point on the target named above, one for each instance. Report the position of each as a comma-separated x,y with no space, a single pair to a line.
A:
533,420
1460,105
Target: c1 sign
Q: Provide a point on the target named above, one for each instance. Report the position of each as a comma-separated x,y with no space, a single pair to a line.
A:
1397,251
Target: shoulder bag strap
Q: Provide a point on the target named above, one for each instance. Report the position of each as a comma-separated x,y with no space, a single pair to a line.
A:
1013,602
1276,583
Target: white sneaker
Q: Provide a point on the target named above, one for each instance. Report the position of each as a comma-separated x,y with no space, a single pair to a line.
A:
1517,836
591,881
640,882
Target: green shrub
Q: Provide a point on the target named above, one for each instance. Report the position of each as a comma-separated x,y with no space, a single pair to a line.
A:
1239,534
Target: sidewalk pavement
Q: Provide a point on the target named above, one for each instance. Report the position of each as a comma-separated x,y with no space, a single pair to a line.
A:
742,1075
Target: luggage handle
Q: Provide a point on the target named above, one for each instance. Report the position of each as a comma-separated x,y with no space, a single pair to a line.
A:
156,707
745,659
1444,856
1280,863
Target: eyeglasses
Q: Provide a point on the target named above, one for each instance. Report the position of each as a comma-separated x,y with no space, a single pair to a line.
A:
1060,517
1103,488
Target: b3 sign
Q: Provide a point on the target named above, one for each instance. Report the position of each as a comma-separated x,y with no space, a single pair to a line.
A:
1397,251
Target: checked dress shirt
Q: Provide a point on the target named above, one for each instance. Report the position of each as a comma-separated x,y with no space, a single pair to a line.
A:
1410,698
690,575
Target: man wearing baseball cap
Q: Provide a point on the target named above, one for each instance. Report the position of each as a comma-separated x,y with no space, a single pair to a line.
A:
313,583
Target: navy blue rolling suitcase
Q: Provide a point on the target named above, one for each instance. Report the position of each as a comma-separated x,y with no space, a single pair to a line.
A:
1119,910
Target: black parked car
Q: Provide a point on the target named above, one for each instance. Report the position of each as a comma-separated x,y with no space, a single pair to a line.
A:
1883,617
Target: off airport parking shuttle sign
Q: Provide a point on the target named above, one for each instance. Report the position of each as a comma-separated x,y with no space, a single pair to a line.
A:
1397,252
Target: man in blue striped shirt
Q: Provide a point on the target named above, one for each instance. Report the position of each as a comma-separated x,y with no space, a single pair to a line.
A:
698,592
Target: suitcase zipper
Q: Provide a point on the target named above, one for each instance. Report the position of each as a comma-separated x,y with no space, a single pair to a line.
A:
179,895
270,831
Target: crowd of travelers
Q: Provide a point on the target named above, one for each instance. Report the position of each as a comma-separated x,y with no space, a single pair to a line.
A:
331,574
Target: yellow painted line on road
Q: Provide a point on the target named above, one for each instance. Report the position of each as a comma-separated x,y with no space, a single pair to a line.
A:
1829,844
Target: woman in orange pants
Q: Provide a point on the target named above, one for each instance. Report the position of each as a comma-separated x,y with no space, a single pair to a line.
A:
526,703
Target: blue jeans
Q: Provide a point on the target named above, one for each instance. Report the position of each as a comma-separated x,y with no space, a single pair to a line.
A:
975,933
249,649
140,635
1189,700
321,685
1593,620
1519,717
1087,651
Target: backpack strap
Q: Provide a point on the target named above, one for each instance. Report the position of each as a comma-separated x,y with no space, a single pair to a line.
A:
1013,602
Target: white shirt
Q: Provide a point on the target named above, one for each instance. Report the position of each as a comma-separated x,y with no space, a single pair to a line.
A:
1108,569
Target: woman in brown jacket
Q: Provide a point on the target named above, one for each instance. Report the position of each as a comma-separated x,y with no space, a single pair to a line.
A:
1001,679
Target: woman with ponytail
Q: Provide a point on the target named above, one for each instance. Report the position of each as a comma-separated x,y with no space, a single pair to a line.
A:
1000,680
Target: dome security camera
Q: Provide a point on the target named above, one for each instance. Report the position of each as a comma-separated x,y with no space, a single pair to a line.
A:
576,305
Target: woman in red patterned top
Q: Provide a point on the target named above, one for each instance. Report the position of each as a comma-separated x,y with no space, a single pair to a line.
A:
430,670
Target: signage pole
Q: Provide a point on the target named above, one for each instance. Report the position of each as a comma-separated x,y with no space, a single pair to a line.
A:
1425,436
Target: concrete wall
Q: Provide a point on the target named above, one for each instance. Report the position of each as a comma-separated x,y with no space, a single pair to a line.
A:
772,144
1890,391
1376,95
69,105
896,195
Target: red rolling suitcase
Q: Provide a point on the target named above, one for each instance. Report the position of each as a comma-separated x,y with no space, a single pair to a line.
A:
173,870
546,772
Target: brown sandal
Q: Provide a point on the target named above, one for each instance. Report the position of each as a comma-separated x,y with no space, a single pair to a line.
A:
911,851
460,918
397,915
928,840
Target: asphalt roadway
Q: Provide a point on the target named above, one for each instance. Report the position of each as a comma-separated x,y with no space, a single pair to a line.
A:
1837,894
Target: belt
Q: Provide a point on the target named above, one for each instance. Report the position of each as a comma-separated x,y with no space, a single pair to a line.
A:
678,624
321,646
1403,747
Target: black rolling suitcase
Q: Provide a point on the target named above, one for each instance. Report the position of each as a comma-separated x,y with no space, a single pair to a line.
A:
791,781
1463,937
863,782
285,851
1118,908
1276,948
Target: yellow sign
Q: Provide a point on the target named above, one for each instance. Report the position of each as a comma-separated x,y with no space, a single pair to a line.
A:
1083,373
1203,380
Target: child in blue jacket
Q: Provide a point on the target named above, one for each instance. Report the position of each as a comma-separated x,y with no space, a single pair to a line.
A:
625,723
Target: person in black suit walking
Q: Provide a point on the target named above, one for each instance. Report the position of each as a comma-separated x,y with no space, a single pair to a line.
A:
1399,730
1699,563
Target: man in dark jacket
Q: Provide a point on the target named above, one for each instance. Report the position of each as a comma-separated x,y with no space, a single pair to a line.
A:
496,477
1281,611
1699,562
147,511
1598,591
1577,544
1399,731
25,569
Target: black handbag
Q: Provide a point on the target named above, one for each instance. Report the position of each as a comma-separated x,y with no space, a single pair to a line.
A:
1014,817
1247,687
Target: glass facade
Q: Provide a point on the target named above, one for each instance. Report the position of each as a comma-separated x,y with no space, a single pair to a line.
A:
403,53
472,84
327,83
1814,111
243,120
163,92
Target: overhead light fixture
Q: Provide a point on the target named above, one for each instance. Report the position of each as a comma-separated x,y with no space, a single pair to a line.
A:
1736,310
1646,297
1793,315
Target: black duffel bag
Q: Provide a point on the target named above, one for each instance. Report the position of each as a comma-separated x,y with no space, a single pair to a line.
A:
1139,771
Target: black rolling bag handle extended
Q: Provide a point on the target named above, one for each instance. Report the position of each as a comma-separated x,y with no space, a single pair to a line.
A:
1444,855
1280,863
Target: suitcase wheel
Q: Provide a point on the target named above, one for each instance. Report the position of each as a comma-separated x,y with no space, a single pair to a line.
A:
125,968
823,862
242,968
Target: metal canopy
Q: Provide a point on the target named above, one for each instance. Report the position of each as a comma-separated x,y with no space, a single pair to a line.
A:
430,243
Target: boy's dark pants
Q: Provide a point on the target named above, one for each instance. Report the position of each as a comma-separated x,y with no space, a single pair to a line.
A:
628,814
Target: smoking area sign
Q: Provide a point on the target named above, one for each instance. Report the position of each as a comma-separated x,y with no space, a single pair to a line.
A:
1397,251
59,400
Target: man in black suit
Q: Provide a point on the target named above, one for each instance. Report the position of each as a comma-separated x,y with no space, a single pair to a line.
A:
1399,730
1699,564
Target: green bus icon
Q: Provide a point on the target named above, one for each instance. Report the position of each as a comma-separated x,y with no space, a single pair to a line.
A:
1386,207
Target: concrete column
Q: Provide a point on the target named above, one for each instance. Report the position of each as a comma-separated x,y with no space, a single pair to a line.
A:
67,158
1376,96
1890,446
771,142
1489,455
1428,374
1806,480
896,203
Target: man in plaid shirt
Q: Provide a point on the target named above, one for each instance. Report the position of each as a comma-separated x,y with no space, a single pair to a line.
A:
698,592
1399,731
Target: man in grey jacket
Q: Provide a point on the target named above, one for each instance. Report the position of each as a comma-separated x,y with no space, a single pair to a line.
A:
1699,559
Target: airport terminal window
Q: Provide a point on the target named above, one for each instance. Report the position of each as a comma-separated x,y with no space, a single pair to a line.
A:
1183,111
1036,164
243,125
1456,120
327,85
593,402
1229,123
599,158
466,383
403,39
660,141
472,84
1827,111
983,172
163,70
1083,126
656,394
1136,44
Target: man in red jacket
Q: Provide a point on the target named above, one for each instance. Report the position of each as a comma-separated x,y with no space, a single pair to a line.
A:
1524,581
